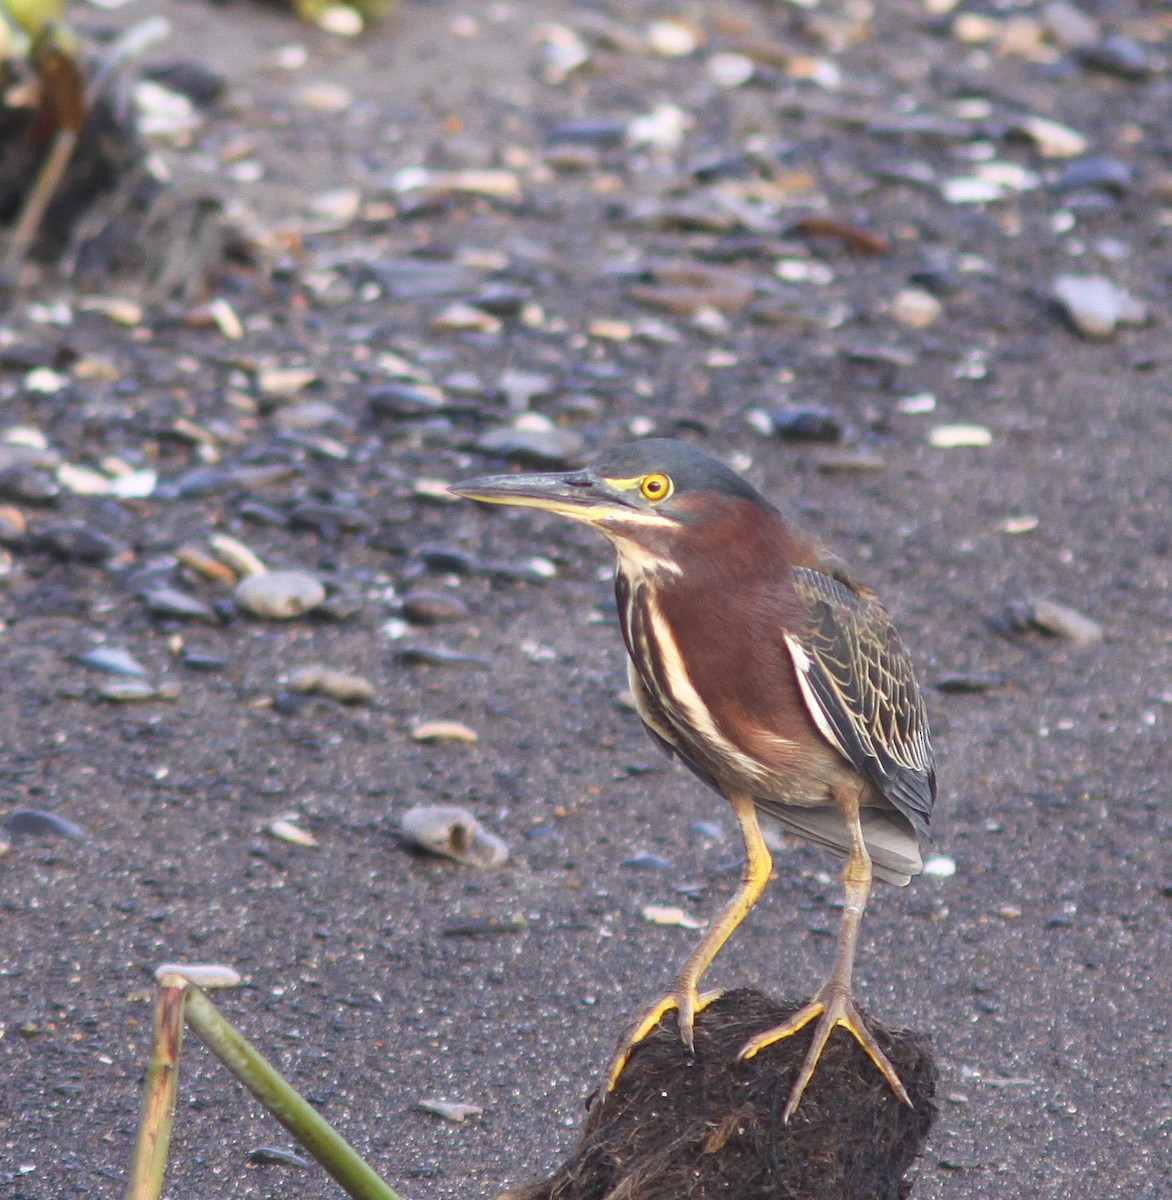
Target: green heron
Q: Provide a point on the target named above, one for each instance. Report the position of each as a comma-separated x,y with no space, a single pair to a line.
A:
758,661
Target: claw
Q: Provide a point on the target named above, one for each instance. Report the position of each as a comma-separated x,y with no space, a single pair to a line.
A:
829,1012
687,1004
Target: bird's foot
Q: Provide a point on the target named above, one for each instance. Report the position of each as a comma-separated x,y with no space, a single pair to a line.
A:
830,1007
685,1000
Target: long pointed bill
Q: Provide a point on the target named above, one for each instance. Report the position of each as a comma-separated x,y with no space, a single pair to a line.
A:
579,495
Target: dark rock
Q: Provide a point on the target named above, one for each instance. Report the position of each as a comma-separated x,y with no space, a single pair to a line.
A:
272,1156
77,543
201,85
1099,173
960,682
448,558
404,402
202,660
113,660
606,133
1118,55
442,656
35,822
328,519
535,447
166,601
805,424
430,608
27,485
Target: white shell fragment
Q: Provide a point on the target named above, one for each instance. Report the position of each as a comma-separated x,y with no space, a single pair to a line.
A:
940,866
443,731
948,437
450,1110
670,914
286,831
453,833
204,975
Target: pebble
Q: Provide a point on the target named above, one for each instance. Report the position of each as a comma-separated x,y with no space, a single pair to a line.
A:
202,660
273,1156
848,462
431,608
338,685
36,822
204,975
798,423
443,731
132,691
1096,306
1065,622
948,437
961,682
453,833
1052,138
77,543
405,402
166,601
280,595
916,308
285,830
1096,173
442,656
450,1110
940,866
462,316
646,861
113,660
27,485
1118,55
536,447
670,914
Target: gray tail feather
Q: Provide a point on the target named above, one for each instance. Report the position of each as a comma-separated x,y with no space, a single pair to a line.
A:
891,840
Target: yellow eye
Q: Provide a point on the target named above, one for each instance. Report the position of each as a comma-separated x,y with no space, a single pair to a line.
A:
655,487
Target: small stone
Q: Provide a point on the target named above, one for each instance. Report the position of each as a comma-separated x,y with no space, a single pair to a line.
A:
1063,621
165,601
1023,524
463,316
849,462
431,608
36,822
1052,139
1096,173
286,831
801,423
730,70
949,437
1118,55
1069,25
940,866
45,381
538,447
27,485
670,914
453,833
916,308
918,404
127,691
443,656
673,38
204,975
338,685
405,401
281,382
962,682
280,595
443,731
78,543
971,190
450,1110
113,660
325,97
646,861
1096,306
273,1156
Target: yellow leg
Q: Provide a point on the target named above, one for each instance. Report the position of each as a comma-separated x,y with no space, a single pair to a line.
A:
684,996
832,1004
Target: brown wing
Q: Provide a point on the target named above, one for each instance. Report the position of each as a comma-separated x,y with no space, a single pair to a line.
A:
858,683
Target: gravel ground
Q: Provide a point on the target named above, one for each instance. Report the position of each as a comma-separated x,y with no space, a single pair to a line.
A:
809,210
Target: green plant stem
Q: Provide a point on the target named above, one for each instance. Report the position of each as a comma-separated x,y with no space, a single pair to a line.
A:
322,1141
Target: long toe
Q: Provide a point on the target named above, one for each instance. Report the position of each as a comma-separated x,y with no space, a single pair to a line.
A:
828,1013
686,1002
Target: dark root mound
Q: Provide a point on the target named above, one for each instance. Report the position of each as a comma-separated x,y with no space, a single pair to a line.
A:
679,1127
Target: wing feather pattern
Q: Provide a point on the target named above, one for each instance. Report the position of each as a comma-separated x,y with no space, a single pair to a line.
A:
858,684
